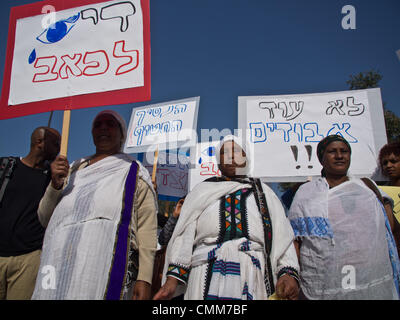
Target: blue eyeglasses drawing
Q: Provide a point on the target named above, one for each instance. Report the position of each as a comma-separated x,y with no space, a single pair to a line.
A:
54,33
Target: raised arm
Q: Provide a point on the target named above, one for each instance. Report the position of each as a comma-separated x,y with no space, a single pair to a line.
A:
49,201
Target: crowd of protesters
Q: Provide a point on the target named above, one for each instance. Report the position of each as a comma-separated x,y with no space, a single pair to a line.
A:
94,224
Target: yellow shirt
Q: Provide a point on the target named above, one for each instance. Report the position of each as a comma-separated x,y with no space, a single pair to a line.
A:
394,193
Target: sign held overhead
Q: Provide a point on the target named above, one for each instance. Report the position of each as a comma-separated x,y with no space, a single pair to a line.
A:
83,53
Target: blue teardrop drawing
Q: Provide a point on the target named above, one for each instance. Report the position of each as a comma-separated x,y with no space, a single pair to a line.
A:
200,160
32,56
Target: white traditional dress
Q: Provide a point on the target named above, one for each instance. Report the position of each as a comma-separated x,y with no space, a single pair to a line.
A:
347,249
218,247
87,249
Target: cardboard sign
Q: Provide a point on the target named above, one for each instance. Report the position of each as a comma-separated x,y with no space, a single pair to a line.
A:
172,173
282,132
83,53
163,126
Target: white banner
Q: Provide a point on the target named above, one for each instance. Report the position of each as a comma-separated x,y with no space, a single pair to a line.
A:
283,131
87,49
167,125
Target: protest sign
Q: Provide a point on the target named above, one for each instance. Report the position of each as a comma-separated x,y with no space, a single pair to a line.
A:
163,126
204,163
84,53
283,131
172,173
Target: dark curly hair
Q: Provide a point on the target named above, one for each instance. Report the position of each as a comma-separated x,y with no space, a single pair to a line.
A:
388,149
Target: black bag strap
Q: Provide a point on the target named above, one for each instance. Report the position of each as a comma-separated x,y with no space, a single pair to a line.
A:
3,165
267,224
6,169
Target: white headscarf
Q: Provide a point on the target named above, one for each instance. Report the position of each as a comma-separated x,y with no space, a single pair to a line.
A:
119,119
240,143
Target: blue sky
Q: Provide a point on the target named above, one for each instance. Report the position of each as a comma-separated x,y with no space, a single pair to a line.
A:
222,49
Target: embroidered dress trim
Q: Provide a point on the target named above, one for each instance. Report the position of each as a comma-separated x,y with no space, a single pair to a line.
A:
178,272
233,216
225,268
212,297
246,292
263,208
312,226
289,271
209,275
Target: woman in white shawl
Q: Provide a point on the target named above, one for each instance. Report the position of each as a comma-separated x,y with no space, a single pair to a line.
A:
343,235
101,238
232,239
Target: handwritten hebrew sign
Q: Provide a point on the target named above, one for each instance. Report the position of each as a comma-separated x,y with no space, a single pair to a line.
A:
204,163
164,126
85,53
283,131
172,173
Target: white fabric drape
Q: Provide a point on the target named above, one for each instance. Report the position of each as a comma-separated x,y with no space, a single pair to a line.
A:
344,251
197,230
80,238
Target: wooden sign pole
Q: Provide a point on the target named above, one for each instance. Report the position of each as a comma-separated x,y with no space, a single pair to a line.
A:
65,133
51,116
153,177
167,209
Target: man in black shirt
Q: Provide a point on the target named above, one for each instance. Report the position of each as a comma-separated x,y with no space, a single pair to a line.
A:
21,233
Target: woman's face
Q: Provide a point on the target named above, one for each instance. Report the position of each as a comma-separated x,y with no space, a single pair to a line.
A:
391,166
336,158
232,159
107,134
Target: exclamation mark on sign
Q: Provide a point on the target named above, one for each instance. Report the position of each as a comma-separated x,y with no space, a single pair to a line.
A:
295,153
309,152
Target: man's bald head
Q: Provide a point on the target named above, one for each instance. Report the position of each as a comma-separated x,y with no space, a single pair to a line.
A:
36,135
47,141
